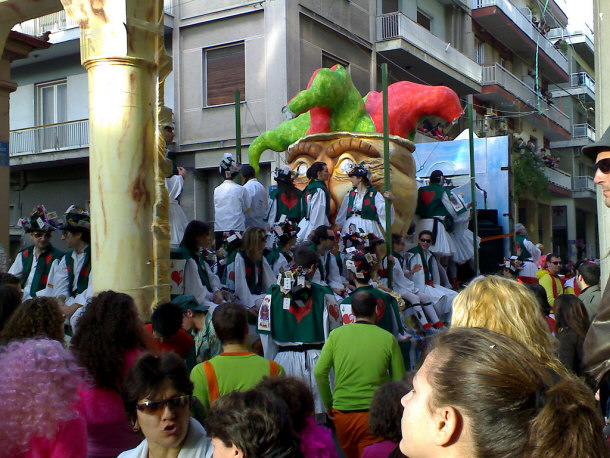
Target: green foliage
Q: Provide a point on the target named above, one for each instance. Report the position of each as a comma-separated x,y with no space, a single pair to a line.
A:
528,174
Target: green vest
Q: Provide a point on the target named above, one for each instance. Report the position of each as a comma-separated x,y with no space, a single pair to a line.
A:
369,210
311,189
386,307
83,275
400,258
525,255
298,324
183,253
253,270
291,207
275,254
426,266
45,260
430,201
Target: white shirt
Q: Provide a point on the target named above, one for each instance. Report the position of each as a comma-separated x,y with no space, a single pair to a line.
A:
258,197
231,202
17,270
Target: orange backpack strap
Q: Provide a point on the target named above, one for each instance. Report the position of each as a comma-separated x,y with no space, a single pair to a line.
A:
274,368
210,376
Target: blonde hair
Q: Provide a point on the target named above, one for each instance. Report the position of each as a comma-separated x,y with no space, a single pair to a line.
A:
510,308
251,243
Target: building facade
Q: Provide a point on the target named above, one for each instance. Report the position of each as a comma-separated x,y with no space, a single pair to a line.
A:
267,50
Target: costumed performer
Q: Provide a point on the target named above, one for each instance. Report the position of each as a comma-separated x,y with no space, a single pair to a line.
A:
316,198
177,218
281,254
295,319
363,208
528,253
427,277
32,265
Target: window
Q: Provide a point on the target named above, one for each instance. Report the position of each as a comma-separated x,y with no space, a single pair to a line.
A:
225,73
328,61
389,6
480,50
52,103
423,19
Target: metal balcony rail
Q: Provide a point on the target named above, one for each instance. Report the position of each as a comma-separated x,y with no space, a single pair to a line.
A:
49,138
583,184
586,34
583,130
496,74
582,79
397,25
54,22
559,178
525,24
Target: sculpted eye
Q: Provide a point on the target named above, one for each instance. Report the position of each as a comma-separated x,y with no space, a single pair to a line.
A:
346,164
301,168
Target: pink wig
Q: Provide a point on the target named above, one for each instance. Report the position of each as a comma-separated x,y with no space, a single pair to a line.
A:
38,392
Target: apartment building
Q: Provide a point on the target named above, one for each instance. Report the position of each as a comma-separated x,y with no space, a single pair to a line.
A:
267,51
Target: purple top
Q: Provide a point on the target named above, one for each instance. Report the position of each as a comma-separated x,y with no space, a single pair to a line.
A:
378,450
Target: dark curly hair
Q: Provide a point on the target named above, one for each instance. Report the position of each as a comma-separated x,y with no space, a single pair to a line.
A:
108,328
166,319
296,395
386,410
146,378
39,317
254,421
10,298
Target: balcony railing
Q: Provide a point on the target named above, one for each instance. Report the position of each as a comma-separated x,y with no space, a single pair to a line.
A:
586,35
496,74
558,178
397,25
54,22
50,138
582,79
525,24
583,130
583,184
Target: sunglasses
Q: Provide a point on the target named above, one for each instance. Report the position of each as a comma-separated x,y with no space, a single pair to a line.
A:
39,235
157,406
603,166
425,240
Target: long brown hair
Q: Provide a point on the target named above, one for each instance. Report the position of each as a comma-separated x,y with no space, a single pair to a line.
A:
571,313
516,405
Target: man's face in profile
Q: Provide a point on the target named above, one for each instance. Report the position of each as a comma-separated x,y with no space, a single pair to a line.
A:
602,174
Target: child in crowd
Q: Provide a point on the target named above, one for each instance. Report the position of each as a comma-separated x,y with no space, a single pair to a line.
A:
166,330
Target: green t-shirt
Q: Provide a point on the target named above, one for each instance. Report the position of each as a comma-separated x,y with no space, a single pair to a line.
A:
364,357
234,372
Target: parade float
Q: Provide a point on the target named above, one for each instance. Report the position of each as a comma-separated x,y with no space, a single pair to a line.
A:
331,122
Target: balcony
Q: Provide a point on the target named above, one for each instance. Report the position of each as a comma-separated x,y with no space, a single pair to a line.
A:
511,94
583,42
407,43
513,28
60,21
583,184
582,135
66,140
580,84
561,180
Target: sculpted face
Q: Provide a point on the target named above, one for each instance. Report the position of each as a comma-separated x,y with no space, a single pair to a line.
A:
340,151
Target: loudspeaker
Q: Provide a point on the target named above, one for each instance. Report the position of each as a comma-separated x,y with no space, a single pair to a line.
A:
491,253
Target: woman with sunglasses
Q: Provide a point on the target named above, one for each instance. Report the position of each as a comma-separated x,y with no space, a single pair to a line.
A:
157,394
109,337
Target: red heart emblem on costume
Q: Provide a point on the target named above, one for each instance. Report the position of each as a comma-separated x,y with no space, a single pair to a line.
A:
289,202
300,312
85,271
347,319
380,309
333,310
366,201
177,277
248,271
49,258
373,207
427,196
232,275
68,267
43,279
26,253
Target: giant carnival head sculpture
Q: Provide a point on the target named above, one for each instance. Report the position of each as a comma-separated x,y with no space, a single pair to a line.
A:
334,124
